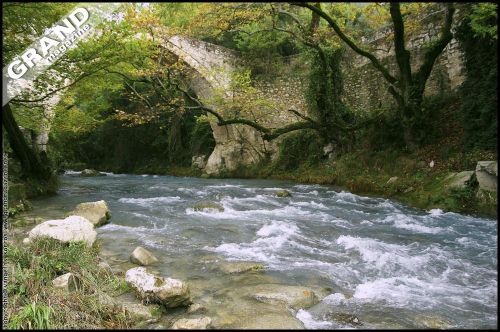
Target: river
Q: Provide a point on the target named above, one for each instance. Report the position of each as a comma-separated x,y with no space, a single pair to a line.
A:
389,265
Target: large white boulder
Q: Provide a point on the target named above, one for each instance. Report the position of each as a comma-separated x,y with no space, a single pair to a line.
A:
95,212
167,291
142,256
73,228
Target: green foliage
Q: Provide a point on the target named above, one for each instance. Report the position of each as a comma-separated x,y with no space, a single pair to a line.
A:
484,20
33,317
36,304
302,148
480,90
202,139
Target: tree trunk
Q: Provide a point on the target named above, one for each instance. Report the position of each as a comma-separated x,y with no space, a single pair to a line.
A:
30,161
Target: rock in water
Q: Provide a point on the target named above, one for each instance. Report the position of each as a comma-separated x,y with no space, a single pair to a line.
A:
91,172
283,193
167,291
142,256
208,205
192,324
296,297
73,228
95,212
241,267
67,281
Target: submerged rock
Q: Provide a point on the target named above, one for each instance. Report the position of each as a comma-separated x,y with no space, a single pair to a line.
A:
143,257
343,318
196,308
296,297
73,228
208,205
167,291
192,324
95,212
91,172
283,193
274,321
67,282
241,267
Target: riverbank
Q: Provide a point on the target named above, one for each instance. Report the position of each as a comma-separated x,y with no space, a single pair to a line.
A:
414,182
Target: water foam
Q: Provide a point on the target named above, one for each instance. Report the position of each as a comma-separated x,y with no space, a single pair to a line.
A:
309,322
148,202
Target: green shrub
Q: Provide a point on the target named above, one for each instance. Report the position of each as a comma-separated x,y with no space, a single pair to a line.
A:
302,148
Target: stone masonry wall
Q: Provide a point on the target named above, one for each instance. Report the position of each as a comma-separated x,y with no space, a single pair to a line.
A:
366,89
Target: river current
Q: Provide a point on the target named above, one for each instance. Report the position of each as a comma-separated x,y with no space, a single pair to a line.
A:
389,265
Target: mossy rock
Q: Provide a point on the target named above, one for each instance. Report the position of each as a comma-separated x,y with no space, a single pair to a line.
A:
283,193
207,205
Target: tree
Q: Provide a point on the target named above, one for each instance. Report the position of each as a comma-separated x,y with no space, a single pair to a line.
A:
408,86
22,23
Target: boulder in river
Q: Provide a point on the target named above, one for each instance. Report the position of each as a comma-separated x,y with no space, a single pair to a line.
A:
95,212
295,297
208,205
143,257
283,193
167,291
73,228
91,172
241,267
192,324
69,282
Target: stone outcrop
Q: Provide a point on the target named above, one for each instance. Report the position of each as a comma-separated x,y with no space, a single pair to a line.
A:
192,324
199,161
460,180
95,212
73,228
166,291
68,282
143,257
487,174
392,180
295,297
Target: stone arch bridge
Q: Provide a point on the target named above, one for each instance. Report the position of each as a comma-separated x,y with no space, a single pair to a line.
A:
237,145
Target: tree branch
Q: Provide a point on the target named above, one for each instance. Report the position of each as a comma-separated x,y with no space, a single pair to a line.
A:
436,48
402,55
376,63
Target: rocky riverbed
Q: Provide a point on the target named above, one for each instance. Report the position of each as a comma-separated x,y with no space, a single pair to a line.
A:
253,257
